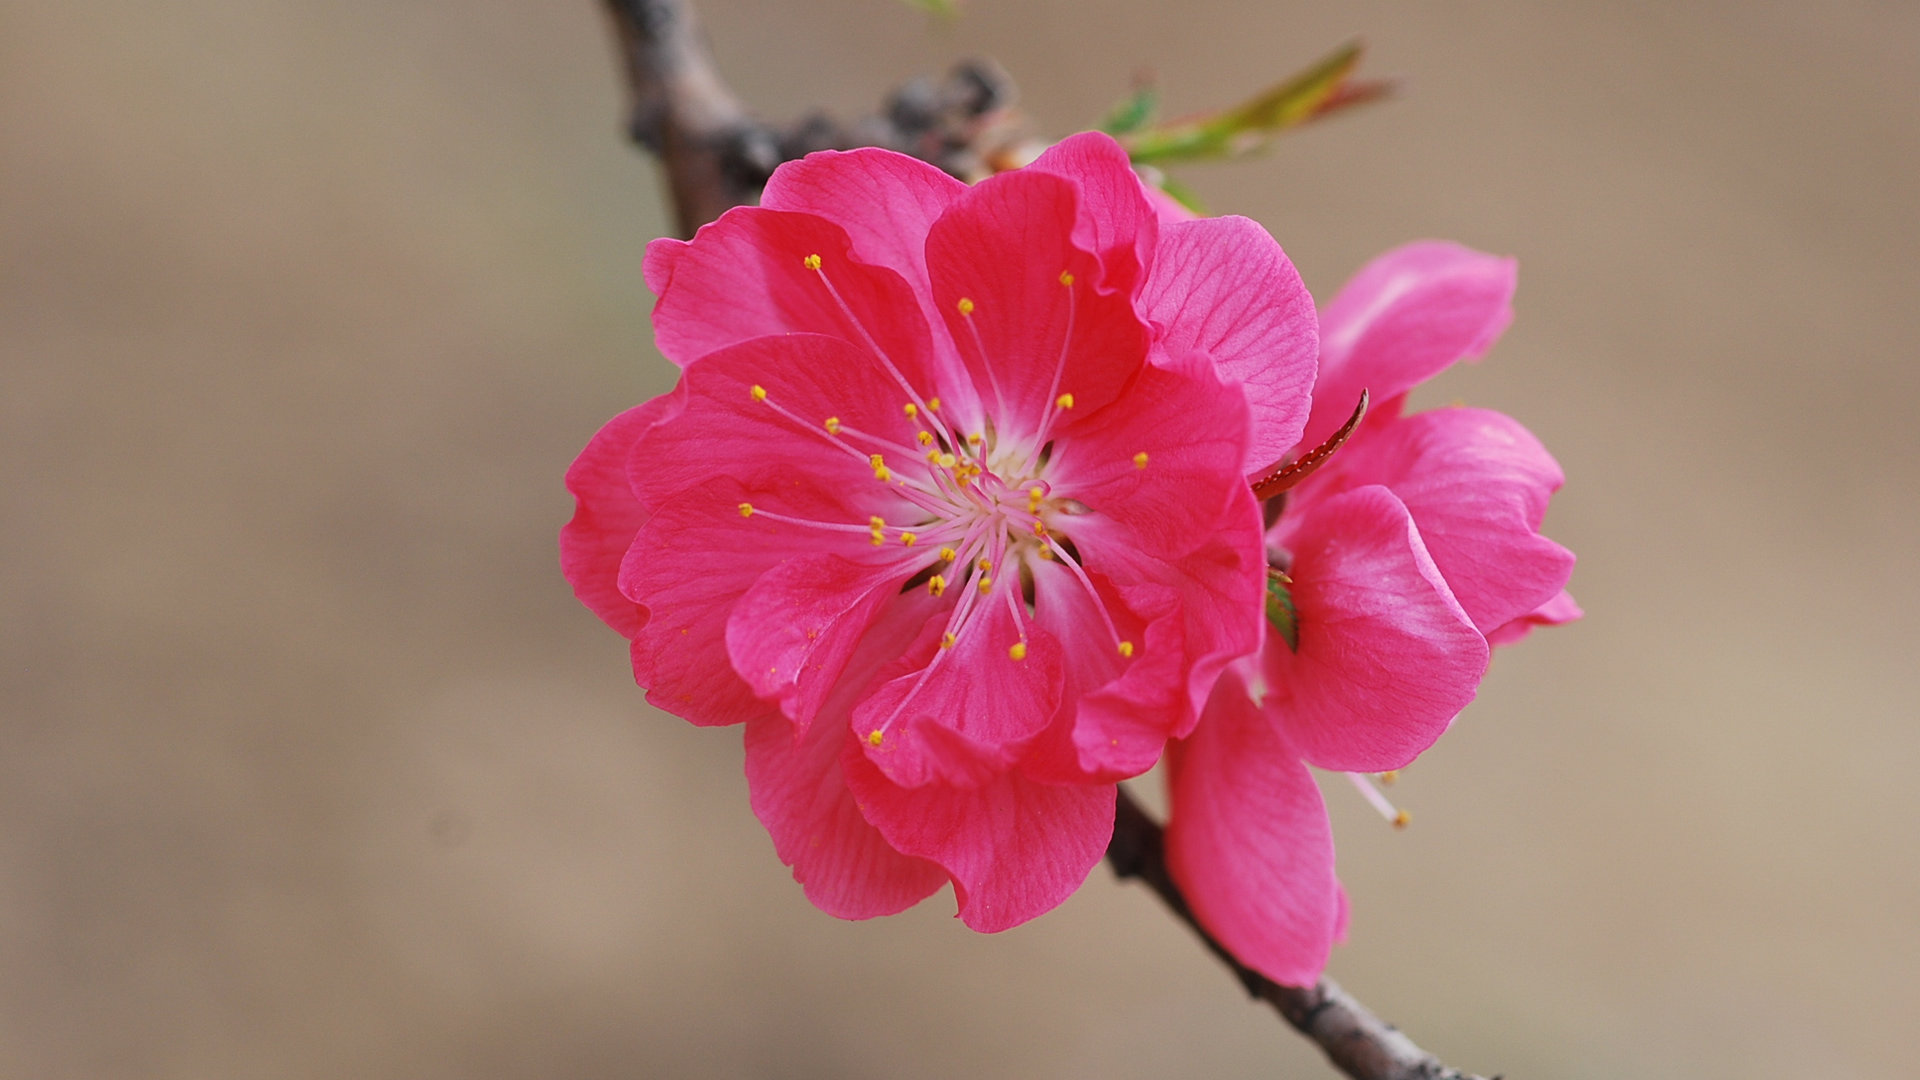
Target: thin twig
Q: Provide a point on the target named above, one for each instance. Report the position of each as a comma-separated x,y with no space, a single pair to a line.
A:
717,157
1358,1043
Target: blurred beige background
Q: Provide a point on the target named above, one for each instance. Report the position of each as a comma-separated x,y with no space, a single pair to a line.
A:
312,767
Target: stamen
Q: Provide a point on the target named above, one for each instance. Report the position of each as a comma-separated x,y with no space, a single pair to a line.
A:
746,509
965,306
912,410
833,425
812,262
759,392
1034,495
874,737
1065,401
1140,460
1053,548
1018,650
908,538
948,554
936,585
947,640
933,404
1126,648
885,360
925,438
830,526
986,585
1397,818
1065,277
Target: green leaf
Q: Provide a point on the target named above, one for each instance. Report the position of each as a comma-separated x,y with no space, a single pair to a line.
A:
1253,123
1281,614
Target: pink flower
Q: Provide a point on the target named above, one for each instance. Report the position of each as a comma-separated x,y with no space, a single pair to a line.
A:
1416,547
949,508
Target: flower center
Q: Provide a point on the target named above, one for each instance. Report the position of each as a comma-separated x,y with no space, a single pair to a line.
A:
980,508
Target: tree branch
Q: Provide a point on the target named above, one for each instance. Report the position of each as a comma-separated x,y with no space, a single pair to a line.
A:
716,157
1358,1043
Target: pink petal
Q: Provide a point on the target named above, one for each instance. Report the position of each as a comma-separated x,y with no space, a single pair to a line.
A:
1477,484
722,429
692,562
1205,613
1560,609
1014,848
1116,222
1192,429
1387,656
1404,318
799,792
958,716
794,630
606,516
747,276
1249,843
1032,333
885,201
1169,210
1222,287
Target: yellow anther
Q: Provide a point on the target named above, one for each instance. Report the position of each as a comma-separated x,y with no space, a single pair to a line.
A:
912,409
1140,460
976,439
876,460
908,538
1034,495
813,263
878,527
936,585
876,522
933,404
986,585
883,473
1390,776
1017,651
759,392
1046,553
946,461
746,509
879,538
833,425
1066,278
1401,819
873,739
1126,648
1065,401
933,456
985,564
965,305
925,437
949,554
946,641
1040,529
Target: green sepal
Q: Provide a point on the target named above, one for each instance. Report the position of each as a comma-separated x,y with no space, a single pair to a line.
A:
1281,614
1132,112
